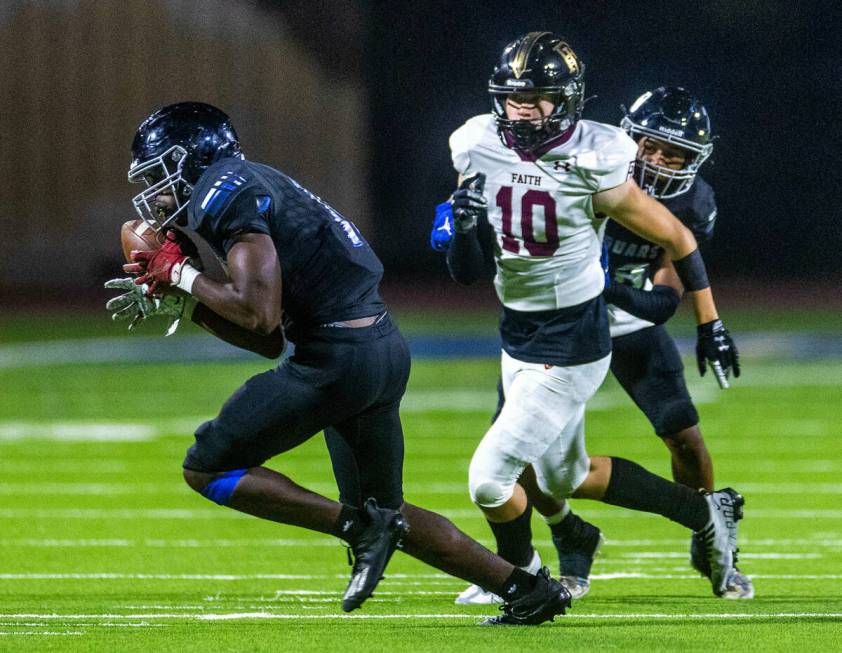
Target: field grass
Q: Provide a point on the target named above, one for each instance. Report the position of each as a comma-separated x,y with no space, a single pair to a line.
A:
104,548
414,320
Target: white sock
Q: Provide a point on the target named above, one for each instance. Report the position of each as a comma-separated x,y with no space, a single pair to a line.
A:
552,520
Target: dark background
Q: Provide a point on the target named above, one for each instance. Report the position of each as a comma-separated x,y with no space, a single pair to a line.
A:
769,73
356,99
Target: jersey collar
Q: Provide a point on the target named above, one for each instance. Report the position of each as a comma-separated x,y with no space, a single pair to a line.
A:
536,153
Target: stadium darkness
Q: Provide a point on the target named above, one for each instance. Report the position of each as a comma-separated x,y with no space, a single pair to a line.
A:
767,72
357,100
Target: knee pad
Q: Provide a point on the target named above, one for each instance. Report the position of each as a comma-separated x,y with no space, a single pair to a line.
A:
675,416
489,494
220,489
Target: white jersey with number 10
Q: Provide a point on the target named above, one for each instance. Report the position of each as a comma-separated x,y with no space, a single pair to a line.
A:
548,239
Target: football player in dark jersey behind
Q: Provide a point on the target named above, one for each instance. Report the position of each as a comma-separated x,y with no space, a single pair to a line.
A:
289,255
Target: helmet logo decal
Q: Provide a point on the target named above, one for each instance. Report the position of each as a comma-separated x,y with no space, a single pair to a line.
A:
522,54
639,101
569,57
669,130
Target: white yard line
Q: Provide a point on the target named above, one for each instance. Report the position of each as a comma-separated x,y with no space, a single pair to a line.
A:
829,542
36,633
76,431
466,513
391,579
272,615
660,555
450,489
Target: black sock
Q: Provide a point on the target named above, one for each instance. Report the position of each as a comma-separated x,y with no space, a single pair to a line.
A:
631,486
518,584
575,534
349,524
514,538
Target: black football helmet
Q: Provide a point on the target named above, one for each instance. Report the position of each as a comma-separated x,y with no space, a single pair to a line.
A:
171,150
540,63
673,115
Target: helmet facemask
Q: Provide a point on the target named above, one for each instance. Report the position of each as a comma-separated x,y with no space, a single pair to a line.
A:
660,181
162,175
525,134
670,115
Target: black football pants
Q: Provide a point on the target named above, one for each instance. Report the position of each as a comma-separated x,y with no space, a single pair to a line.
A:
348,382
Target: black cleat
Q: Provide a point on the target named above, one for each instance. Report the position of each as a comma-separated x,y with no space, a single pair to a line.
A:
576,551
548,599
699,555
372,549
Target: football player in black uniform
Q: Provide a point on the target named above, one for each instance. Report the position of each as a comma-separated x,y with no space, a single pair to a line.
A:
290,257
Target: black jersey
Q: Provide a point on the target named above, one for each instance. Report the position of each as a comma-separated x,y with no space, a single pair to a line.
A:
329,272
630,256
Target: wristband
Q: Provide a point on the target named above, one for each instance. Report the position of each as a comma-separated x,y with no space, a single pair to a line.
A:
691,271
186,277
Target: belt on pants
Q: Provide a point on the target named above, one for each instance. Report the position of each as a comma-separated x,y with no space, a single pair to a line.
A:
357,323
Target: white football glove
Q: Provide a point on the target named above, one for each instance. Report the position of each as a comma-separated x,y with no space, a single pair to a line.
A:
137,307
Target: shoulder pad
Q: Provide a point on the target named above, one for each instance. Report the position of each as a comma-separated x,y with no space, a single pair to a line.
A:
605,153
217,188
468,136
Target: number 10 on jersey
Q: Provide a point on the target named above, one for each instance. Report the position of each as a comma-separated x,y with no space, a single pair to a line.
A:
530,199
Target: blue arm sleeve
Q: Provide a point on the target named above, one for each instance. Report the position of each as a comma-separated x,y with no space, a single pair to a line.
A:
442,232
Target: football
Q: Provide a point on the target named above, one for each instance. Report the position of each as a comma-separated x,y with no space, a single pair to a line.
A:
137,235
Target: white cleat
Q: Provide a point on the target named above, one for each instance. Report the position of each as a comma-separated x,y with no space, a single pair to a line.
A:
720,542
475,595
738,586
577,586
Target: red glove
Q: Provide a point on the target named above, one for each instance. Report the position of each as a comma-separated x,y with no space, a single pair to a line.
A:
161,267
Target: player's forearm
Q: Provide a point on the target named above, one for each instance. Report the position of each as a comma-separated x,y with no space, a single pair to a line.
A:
658,225
646,217
247,307
465,259
703,305
270,346
650,219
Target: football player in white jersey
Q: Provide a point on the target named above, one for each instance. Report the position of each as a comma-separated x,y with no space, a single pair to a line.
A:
536,184
673,133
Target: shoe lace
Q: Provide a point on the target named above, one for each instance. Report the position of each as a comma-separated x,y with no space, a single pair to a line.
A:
352,558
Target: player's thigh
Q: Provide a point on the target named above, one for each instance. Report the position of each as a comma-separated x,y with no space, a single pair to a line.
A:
270,413
565,464
541,401
648,366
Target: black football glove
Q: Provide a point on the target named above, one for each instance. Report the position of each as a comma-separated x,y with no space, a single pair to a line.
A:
469,204
714,346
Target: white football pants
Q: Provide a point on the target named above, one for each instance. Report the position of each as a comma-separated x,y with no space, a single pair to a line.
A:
542,424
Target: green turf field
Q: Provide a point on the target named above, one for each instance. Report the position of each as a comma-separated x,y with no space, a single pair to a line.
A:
105,549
